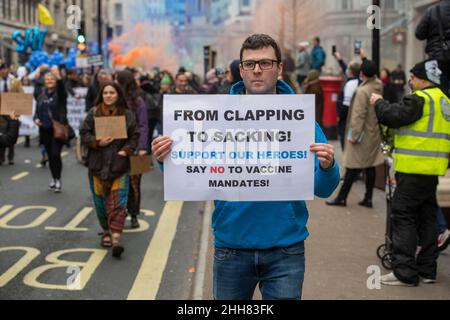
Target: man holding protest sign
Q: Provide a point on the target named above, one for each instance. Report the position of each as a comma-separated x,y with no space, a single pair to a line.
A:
263,242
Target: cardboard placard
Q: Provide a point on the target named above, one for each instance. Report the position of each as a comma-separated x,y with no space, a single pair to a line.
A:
114,127
140,165
21,103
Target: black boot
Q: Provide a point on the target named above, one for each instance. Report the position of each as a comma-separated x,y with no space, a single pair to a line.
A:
134,222
366,203
337,203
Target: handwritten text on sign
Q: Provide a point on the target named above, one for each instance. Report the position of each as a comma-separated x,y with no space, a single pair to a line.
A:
240,148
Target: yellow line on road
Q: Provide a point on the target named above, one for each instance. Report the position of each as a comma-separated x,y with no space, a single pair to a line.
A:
20,176
64,154
148,280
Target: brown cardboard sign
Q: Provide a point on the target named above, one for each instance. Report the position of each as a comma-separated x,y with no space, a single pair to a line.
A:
140,165
21,103
114,127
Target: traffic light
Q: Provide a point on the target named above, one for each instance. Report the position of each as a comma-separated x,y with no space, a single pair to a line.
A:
81,39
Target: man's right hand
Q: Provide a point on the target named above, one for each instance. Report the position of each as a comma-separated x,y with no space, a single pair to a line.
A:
362,54
38,122
105,142
338,56
13,115
161,147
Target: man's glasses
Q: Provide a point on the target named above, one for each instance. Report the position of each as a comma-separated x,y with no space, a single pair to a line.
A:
265,64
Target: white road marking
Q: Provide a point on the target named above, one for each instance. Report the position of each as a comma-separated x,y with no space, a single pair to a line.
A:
20,176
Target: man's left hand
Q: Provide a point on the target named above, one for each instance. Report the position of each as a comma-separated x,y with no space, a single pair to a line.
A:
325,154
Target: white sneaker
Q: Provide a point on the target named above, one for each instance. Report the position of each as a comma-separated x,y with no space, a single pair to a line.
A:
427,281
58,186
391,280
52,185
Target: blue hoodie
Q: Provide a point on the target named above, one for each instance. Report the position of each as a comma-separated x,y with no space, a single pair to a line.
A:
266,225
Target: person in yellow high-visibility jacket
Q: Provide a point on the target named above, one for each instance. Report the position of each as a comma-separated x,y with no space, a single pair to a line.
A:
422,148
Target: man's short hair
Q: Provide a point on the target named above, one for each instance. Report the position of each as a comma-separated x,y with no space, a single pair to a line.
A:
179,74
317,39
260,41
355,68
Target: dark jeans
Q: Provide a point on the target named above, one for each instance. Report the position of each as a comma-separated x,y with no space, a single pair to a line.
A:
350,177
53,149
414,209
10,153
279,272
442,223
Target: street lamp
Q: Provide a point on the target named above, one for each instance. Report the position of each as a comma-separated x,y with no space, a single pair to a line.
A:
376,38
54,37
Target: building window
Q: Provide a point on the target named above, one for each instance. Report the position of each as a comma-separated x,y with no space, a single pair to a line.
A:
118,11
8,12
118,31
18,18
345,5
24,11
390,5
30,12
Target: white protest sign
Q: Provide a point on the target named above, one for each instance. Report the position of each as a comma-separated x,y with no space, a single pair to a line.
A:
239,148
76,108
27,125
75,112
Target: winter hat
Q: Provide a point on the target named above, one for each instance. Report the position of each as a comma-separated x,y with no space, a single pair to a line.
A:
428,70
166,79
369,68
313,75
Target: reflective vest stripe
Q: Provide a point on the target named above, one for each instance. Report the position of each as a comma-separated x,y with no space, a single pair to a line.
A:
432,112
421,134
420,153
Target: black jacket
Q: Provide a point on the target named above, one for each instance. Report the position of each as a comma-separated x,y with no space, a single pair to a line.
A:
401,114
59,111
152,104
9,137
428,29
91,96
104,162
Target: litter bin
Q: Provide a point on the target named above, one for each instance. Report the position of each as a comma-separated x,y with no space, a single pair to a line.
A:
331,86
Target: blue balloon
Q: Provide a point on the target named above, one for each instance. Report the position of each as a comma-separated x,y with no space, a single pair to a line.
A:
56,58
18,38
41,39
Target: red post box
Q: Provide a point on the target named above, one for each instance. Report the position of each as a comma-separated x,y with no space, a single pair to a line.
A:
331,86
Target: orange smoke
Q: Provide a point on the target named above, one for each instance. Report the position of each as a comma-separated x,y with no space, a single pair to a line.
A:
146,58
141,54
